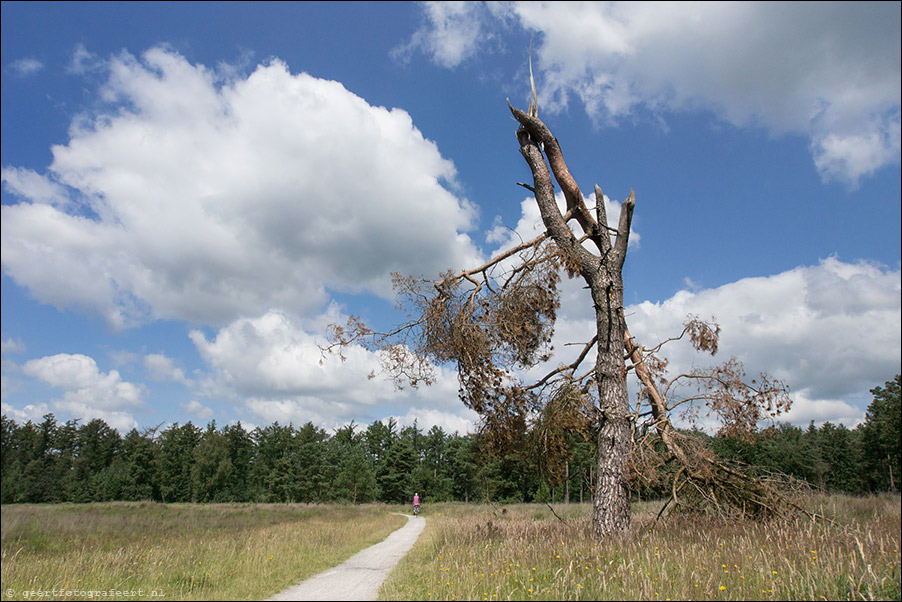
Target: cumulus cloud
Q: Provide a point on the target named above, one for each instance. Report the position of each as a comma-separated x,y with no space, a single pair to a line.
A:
205,197
426,418
274,354
805,410
162,368
831,332
88,393
848,157
32,412
830,72
195,409
276,371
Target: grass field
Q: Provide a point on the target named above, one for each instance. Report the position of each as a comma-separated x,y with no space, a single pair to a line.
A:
468,552
526,553
146,551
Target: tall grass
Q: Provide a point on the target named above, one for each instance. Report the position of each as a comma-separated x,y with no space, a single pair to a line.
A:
468,552
526,552
178,552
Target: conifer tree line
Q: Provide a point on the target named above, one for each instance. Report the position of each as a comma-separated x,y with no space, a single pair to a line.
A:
50,462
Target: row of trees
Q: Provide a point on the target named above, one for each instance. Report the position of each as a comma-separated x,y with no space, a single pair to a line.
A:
67,462
52,462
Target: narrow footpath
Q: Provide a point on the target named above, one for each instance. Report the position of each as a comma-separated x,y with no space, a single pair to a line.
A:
361,576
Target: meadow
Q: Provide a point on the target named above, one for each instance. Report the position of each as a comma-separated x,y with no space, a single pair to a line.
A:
467,552
151,551
530,552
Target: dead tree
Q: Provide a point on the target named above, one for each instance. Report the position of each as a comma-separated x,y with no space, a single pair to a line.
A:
496,320
601,269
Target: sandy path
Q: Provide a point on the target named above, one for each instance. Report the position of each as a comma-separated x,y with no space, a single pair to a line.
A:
361,576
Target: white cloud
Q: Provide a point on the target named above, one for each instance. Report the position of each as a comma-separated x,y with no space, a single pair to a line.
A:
12,346
39,189
295,411
204,197
849,157
163,368
276,371
805,410
463,422
273,355
88,393
530,224
831,332
455,32
24,67
84,61
197,410
32,412
827,71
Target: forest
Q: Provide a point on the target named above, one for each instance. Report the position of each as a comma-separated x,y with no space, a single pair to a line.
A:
51,462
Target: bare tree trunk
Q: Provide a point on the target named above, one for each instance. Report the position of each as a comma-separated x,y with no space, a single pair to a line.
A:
601,271
581,481
567,481
892,482
612,494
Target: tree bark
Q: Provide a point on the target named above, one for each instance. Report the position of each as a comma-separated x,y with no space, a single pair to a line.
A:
567,482
611,514
658,407
602,273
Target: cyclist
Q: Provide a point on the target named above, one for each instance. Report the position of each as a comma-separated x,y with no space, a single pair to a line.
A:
416,503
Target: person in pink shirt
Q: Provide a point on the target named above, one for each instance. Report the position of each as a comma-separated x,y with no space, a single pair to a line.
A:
416,503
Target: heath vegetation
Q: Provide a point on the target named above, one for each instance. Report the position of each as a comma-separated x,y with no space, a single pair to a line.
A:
178,551
526,552
467,552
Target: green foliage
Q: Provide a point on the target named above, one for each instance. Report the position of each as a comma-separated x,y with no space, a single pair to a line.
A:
835,443
241,450
880,436
394,474
461,467
139,454
176,462
212,467
51,462
356,476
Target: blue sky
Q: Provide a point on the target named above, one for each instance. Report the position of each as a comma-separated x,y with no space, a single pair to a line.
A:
192,192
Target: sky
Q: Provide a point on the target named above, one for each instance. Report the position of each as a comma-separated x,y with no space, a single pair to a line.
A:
192,193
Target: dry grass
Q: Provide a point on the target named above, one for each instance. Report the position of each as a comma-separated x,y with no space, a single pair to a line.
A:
524,552
236,552
178,552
